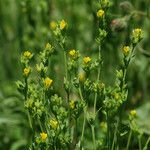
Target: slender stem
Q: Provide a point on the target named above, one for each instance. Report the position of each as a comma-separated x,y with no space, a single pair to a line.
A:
129,139
38,119
93,136
26,93
140,144
29,118
115,134
84,119
98,78
108,131
83,127
65,62
146,144
80,93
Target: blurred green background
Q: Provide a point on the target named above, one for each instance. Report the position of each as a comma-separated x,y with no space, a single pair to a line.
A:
24,25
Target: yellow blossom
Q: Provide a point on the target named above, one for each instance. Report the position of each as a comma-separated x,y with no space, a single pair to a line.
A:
27,54
100,13
81,76
53,25
48,46
26,71
48,82
86,60
72,104
53,123
137,32
72,52
116,96
133,113
63,24
103,125
126,50
43,136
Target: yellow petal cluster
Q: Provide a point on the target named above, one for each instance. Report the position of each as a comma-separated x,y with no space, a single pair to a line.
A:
53,123
43,136
126,50
72,53
27,54
63,24
48,82
53,25
26,71
137,32
133,113
100,13
48,46
72,104
86,60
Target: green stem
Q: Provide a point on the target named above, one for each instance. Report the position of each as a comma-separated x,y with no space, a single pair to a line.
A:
26,93
65,62
38,119
98,78
146,144
115,134
29,118
108,131
93,136
83,127
129,139
140,144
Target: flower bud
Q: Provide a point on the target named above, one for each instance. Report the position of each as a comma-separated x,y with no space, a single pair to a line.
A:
126,6
118,24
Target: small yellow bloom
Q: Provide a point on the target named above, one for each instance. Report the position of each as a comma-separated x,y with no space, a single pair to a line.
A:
27,54
81,76
126,50
72,104
137,32
100,13
86,60
48,46
48,82
53,123
72,53
43,136
53,25
63,24
133,113
26,71
116,96
103,125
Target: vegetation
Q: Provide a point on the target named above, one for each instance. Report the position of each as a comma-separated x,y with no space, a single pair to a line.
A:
74,74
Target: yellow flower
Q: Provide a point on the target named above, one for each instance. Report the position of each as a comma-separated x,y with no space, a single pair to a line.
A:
48,82
48,46
27,54
133,113
53,25
53,123
126,50
26,71
86,60
103,125
100,13
72,52
137,32
81,76
116,96
43,136
63,24
72,104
